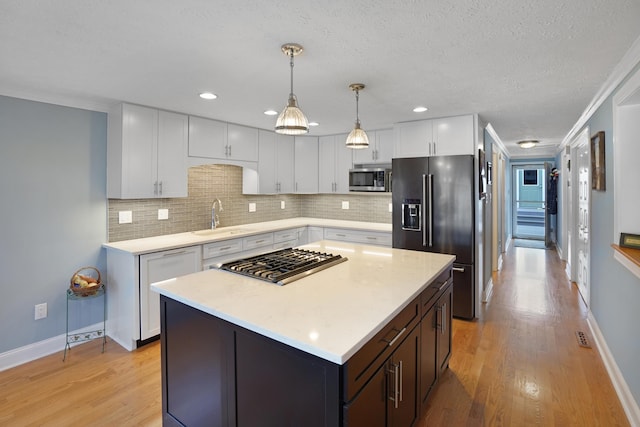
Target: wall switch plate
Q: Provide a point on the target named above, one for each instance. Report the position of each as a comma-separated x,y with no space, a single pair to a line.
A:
40,311
345,205
163,213
125,217
390,207
281,204
252,207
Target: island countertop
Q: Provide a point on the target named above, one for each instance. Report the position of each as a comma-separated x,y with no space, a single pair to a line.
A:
330,314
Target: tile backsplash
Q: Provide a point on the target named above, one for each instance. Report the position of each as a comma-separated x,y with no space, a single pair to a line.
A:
225,183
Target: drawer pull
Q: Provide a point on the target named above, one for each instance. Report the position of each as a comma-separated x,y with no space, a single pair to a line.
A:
226,248
371,238
390,343
458,269
259,241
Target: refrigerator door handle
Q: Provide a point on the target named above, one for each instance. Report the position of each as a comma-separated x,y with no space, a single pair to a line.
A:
424,202
430,211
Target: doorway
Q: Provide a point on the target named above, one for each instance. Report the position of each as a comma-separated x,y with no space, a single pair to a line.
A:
529,219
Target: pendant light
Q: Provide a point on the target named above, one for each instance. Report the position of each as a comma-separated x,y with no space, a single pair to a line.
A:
292,120
357,139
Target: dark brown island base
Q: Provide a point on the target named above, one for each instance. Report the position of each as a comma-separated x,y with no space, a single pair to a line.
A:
222,370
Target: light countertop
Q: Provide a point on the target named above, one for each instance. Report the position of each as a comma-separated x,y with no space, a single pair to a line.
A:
330,314
178,240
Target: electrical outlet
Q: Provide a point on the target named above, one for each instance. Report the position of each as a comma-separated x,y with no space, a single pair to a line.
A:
281,204
345,205
252,207
125,217
40,311
390,207
163,213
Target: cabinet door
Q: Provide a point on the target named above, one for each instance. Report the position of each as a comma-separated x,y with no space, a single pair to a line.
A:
139,144
453,135
155,268
384,146
343,162
369,407
285,160
207,138
402,380
242,143
326,164
412,139
173,140
306,164
444,328
428,355
267,178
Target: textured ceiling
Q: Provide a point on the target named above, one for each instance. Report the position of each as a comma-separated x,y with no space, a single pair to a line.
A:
528,68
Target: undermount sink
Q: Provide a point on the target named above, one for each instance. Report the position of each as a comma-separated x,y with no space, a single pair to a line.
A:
221,231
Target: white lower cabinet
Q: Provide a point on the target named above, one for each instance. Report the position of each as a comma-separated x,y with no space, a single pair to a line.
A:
156,267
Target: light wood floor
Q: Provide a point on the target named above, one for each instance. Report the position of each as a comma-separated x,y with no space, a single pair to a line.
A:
518,365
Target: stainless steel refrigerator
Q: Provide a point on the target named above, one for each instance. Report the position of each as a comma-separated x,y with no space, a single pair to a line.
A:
433,211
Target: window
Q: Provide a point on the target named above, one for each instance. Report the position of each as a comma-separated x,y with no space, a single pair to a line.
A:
530,177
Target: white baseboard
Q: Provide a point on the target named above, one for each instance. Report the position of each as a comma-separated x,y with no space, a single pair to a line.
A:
508,243
500,262
629,404
559,251
21,355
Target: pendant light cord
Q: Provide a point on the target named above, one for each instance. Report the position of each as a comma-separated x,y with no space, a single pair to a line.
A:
357,106
291,64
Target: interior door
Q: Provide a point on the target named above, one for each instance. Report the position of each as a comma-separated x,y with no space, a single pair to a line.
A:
583,219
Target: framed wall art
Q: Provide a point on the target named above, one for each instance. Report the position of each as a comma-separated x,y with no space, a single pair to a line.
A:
598,170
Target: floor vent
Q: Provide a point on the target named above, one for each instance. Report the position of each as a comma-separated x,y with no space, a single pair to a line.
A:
583,341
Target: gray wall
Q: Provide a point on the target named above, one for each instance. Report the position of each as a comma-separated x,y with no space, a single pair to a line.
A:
53,216
615,291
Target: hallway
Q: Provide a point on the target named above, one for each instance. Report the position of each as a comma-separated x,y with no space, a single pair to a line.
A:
520,364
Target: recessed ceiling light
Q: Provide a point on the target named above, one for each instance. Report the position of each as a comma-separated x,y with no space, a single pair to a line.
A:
314,124
420,109
208,95
271,112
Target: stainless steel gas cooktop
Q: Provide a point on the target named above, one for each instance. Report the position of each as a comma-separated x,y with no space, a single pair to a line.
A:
283,266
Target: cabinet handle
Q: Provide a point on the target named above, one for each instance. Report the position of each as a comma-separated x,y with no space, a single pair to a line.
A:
259,241
458,269
395,398
226,248
160,187
340,235
155,188
400,381
296,187
390,343
229,151
371,238
444,285
444,317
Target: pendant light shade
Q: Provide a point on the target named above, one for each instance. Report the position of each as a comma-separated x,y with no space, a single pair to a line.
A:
357,138
292,120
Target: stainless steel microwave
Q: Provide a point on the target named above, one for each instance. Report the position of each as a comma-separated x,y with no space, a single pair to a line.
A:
370,179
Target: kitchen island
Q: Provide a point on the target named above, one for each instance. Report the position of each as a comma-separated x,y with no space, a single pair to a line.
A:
317,351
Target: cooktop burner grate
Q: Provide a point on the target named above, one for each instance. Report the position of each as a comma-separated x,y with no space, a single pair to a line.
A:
283,266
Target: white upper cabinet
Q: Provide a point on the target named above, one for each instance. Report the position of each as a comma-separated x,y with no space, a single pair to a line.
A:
146,153
275,163
380,148
306,164
207,138
242,143
334,162
219,140
436,137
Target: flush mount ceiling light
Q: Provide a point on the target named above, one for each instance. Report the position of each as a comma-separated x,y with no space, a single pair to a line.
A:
292,120
528,143
208,95
357,139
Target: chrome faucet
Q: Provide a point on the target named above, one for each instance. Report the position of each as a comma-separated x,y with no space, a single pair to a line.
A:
215,218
